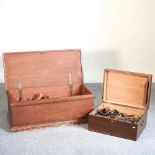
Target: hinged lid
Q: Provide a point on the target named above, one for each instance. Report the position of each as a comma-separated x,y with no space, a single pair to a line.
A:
42,68
127,88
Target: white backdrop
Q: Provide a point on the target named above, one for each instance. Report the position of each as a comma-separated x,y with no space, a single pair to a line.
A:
116,34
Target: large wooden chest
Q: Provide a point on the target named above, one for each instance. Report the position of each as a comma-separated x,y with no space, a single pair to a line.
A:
56,77
127,93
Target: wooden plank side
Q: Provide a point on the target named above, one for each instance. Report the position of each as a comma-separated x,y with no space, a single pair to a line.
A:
46,113
112,127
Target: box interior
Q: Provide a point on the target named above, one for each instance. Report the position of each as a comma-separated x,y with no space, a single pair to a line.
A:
53,73
123,109
52,92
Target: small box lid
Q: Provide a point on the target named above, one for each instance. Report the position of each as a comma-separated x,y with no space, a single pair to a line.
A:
42,68
127,88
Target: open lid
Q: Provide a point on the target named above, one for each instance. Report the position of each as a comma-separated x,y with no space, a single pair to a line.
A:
127,88
42,68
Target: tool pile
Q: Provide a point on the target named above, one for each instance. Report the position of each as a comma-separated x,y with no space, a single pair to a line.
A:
106,112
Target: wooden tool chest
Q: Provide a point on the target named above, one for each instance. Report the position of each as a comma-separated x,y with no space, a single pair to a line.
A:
126,95
45,88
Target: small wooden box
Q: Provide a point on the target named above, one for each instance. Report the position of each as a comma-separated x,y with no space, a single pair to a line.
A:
128,93
57,74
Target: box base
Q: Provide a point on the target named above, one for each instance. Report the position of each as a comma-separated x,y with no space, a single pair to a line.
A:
116,127
53,124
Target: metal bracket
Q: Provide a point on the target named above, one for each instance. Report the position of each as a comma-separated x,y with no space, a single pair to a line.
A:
20,89
70,83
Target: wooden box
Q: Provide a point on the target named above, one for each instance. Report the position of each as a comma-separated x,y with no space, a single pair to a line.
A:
128,93
57,74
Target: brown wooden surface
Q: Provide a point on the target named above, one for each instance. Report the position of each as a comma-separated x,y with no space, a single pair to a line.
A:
44,113
142,124
115,127
127,88
42,68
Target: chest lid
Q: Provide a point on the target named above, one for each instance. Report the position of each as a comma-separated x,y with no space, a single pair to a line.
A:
127,88
42,68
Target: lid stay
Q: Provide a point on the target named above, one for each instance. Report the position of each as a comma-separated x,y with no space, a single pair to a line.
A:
20,89
70,83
